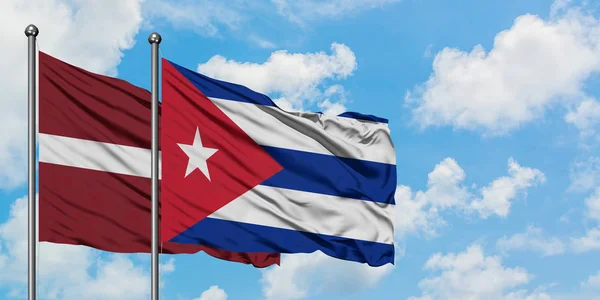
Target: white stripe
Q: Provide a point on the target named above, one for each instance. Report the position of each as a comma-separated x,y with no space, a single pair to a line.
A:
97,156
315,213
311,132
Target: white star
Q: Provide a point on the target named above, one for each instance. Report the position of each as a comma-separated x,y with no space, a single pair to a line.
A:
197,155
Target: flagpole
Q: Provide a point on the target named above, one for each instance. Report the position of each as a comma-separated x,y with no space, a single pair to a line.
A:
154,39
31,32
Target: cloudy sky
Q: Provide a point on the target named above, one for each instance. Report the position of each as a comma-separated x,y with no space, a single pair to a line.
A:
494,111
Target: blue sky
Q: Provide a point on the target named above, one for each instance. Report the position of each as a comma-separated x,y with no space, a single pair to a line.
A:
493,109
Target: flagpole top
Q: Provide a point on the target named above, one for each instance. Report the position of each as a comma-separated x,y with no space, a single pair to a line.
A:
31,30
154,38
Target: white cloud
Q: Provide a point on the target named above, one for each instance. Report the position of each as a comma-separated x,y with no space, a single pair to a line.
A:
532,240
301,11
332,108
472,275
524,295
427,53
592,204
90,276
201,16
296,78
497,196
420,211
68,30
559,6
213,293
335,99
586,117
593,282
589,242
261,42
118,278
585,175
167,267
302,274
532,66
415,214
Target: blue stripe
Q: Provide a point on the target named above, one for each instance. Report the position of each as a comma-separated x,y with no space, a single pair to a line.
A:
214,88
359,116
332,175
244,237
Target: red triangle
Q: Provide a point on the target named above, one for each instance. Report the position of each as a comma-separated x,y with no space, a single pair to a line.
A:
238,166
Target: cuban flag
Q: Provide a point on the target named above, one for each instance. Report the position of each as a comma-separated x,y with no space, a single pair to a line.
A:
241,174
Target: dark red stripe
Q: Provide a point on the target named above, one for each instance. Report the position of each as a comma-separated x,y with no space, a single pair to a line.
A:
80,104
110,212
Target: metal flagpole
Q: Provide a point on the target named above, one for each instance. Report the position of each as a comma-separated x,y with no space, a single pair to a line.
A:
31,32
154,39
